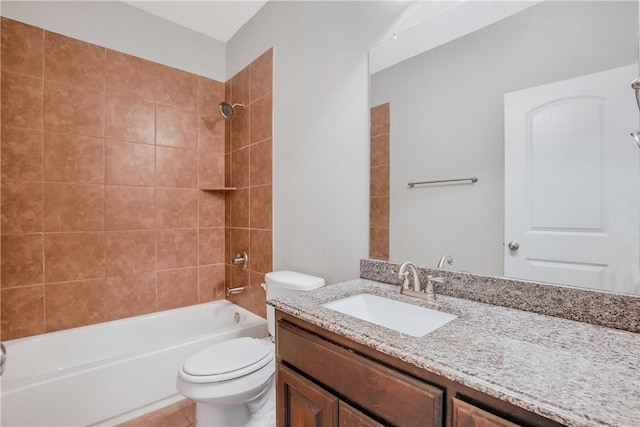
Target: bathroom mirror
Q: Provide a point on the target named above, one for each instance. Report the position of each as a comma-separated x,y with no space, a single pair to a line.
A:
538,106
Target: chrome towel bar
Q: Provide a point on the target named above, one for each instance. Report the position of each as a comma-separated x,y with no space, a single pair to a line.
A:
473,180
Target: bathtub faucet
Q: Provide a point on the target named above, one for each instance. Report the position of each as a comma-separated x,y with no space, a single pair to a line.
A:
241,259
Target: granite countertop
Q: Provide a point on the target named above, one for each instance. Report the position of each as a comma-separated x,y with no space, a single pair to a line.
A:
574,373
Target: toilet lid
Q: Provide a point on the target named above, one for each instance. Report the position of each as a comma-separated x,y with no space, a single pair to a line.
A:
229,359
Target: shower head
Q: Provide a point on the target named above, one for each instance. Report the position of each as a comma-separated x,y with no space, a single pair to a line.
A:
228,111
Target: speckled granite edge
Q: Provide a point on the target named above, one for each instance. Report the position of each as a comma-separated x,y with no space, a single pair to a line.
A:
575,373
599,308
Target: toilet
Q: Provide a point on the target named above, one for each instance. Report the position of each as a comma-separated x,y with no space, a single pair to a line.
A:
233,382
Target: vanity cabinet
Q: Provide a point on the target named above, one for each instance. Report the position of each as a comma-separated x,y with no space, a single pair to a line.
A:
325,379
307,404
385,394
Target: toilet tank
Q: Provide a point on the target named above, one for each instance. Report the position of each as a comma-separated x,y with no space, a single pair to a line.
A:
280,283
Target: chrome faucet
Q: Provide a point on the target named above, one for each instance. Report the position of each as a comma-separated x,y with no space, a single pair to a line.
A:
429,292
241,259
445,258
404,275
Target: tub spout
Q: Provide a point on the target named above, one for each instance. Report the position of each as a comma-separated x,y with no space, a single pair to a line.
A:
235,291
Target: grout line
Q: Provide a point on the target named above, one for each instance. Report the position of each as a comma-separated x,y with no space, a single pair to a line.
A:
44,264
30,285
228,282
104,184
198,86
133,230
57,82
155,188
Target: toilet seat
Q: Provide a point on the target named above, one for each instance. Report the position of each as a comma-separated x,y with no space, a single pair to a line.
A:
226,360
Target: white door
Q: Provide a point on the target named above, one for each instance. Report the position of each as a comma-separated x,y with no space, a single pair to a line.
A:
572,182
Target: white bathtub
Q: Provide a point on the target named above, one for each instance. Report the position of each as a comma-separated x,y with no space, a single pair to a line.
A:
111,372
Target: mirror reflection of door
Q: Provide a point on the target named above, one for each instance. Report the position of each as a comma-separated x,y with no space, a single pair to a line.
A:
569,160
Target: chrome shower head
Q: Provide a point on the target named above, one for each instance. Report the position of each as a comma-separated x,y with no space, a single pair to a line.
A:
228,111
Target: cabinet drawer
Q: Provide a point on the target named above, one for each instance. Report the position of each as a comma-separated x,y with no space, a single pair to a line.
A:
467,415
387,394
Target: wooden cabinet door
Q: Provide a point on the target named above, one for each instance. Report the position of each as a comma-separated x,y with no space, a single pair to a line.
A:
301,403
387,394
351,417
467,415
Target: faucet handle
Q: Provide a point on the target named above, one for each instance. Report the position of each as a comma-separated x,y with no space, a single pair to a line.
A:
241,259
431,278
405,279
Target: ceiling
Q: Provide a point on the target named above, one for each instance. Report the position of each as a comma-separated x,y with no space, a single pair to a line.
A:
218,19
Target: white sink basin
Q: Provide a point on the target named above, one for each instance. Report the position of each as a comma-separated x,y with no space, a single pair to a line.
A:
397,315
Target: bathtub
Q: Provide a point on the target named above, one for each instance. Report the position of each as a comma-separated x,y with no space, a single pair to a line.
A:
111,372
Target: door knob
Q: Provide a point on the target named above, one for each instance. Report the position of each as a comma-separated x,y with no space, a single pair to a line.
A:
513,245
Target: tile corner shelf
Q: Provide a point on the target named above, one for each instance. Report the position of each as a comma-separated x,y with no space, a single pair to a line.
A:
219,189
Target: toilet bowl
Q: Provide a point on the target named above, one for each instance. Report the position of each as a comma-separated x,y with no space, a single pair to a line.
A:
233,382
225,377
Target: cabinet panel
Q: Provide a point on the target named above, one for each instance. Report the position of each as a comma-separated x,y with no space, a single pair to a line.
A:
397,398
351,417
467,415
301,403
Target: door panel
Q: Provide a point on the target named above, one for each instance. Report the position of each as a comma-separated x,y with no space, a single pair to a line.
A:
301,403
554,171
571,182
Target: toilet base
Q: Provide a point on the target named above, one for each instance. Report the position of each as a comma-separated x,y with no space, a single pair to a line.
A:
259,412
218,416
266,420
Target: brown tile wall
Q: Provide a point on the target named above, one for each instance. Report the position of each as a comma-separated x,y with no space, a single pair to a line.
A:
379,192
102,158
248,165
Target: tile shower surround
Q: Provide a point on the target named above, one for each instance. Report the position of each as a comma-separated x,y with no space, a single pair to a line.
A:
379,182
103,155
248,168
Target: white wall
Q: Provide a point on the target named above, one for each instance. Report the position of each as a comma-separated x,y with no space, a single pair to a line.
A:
127,29
425,25
321,127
